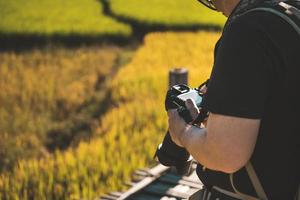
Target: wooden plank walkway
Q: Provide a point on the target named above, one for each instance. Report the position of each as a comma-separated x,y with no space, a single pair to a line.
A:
158,183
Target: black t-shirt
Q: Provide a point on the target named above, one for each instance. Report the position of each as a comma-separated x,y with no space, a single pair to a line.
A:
256,75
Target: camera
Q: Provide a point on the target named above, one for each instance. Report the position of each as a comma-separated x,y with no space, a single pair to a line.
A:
168,153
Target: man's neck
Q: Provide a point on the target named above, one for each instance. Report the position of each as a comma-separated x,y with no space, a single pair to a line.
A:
229,6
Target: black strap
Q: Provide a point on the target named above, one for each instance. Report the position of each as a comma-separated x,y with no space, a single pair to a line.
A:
289,11
203,112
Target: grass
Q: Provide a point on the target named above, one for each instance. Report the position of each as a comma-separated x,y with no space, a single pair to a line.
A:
55,17
167,12
129,132
48,97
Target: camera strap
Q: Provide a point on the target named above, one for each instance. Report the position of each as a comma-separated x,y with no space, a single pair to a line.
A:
203,111
201,116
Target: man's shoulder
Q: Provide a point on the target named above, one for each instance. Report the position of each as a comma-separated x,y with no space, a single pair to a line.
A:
262,27
254,20
245,27
248,24
265,20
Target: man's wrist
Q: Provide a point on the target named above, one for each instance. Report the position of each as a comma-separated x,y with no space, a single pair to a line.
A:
186,135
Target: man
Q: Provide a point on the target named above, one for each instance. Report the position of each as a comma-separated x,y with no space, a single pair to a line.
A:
254,102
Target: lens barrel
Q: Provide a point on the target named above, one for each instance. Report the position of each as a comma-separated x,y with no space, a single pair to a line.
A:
170,154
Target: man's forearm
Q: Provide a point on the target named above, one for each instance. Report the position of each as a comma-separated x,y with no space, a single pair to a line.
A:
226,144
198,144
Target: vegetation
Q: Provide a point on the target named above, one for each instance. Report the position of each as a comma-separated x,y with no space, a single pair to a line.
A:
167,12
129,132
56,17
48,98
54,98
86,18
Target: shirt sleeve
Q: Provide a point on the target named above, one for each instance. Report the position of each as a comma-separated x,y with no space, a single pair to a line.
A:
240,80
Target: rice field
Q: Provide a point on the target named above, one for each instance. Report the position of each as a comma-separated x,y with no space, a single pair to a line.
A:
86,18
168,12
128,133
76,122
55,17
45,94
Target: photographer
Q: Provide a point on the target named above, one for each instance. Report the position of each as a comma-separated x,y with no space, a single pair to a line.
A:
253,97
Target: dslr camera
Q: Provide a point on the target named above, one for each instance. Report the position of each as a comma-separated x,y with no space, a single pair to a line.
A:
168,153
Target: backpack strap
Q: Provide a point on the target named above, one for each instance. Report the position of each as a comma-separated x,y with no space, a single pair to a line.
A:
290,10
240,194
255,182
297,196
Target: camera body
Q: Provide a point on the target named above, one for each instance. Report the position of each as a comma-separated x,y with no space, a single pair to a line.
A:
168,153
177,96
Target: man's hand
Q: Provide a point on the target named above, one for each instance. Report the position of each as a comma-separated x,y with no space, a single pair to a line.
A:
192,107
177,126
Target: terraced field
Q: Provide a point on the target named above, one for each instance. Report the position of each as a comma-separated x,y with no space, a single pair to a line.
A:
48,98
83,20
56,17
183,13
76,121
129,131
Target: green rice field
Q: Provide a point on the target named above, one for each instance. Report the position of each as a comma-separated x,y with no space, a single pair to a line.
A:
87,18
167,12
56,17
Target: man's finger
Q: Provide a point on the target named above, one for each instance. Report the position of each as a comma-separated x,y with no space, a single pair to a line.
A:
171,112
203,89
192,107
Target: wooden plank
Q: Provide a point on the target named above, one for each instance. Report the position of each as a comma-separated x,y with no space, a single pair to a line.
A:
144,196
193,177
168,198
141,173
116,194
164,190
131,184
155,173
157,184
170,178
108,197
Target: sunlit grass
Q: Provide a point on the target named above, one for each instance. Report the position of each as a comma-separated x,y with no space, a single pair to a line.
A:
167,12
56,17
129,132
42,90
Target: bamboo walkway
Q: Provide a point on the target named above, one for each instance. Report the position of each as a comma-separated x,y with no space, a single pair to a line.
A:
158,183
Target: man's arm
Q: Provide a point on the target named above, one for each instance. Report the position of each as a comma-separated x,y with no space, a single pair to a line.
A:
226,144
238,90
